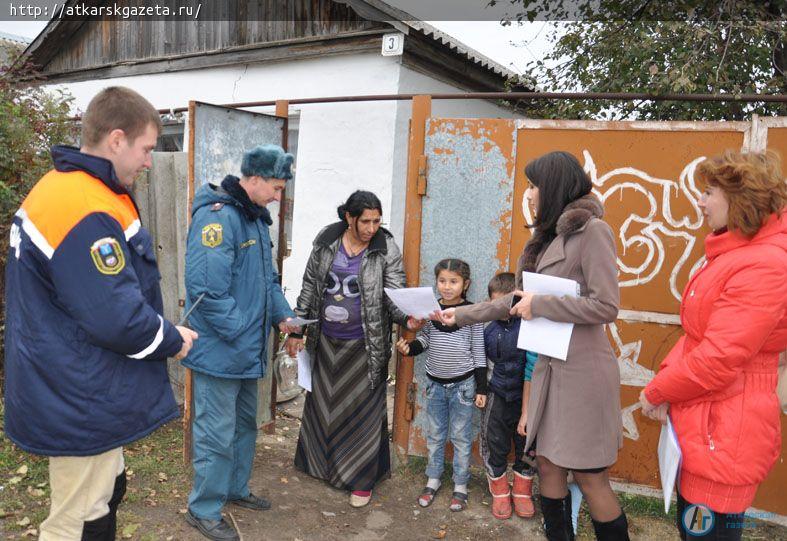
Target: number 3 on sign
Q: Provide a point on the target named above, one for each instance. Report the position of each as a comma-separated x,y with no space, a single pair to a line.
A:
393,44
16,239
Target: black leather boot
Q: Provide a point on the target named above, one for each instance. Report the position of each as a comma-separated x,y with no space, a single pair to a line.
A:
614,530
557,518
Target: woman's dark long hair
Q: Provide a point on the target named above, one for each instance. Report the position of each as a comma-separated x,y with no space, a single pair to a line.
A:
358,202
560,180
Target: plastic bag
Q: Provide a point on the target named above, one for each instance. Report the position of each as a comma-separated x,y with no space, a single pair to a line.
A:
286,370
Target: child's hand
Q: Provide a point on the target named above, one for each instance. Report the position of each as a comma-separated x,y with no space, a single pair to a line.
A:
403,347
480,400
415,324
521,428
446,317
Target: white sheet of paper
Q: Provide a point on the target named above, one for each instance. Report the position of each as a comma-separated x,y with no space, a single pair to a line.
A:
304,370
542,335
669,461
299,321
417,302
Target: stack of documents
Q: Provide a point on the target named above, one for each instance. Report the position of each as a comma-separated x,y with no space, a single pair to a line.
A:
541,335
299,321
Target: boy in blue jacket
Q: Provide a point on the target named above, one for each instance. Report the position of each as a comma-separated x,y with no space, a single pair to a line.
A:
504,410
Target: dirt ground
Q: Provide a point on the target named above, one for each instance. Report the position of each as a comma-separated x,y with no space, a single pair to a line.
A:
303,508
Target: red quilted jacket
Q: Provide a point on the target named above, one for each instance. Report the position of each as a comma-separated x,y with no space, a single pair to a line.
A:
720,378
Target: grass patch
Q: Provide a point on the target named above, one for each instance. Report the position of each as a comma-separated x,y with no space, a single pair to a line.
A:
156,473
155,466
24,498
643,506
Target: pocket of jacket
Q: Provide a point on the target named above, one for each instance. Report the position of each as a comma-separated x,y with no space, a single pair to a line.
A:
705,425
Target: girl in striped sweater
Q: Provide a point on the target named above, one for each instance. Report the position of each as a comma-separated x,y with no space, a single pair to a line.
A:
456,383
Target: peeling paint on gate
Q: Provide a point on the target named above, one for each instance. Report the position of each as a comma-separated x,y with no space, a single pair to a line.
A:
470,173
644,173
466,213
218,137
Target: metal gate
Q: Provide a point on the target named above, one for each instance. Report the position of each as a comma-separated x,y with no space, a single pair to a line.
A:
465,199
218,137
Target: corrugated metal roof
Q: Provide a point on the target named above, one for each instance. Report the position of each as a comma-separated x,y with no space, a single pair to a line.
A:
396,14
14,39
459,47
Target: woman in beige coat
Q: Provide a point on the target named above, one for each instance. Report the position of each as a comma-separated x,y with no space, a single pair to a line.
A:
573,415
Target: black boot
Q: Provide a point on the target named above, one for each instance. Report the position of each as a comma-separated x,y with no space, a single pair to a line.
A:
557,518
105,528
614,530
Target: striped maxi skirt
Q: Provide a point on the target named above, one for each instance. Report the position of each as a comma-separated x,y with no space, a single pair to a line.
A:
344,427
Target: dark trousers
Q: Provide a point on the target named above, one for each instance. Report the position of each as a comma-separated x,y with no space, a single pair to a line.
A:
498,433
698,520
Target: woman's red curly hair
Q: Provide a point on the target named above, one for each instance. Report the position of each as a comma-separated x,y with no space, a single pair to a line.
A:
753,184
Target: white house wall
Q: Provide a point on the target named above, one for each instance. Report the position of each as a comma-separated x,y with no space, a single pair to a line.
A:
342,147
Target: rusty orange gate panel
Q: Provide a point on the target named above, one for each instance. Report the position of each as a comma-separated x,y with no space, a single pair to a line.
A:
472,208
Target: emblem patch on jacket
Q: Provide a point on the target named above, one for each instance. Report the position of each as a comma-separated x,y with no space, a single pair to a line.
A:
212,235
108,256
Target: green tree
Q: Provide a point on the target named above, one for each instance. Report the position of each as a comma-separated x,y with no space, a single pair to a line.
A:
32,119
707,47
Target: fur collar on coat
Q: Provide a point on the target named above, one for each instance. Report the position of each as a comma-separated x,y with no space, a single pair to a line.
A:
574,217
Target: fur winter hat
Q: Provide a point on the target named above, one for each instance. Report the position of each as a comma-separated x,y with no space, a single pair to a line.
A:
269,161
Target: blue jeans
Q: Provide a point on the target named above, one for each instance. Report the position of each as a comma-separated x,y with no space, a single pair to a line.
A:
225,434
449,409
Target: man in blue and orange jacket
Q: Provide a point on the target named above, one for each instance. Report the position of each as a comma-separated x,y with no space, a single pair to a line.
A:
85,342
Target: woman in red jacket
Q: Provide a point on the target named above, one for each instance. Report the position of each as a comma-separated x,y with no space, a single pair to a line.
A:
719,381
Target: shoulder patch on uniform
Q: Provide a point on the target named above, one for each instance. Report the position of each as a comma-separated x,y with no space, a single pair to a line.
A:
212,235
108,256
217,206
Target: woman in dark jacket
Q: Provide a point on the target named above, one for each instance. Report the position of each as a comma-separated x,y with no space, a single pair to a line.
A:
344,430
